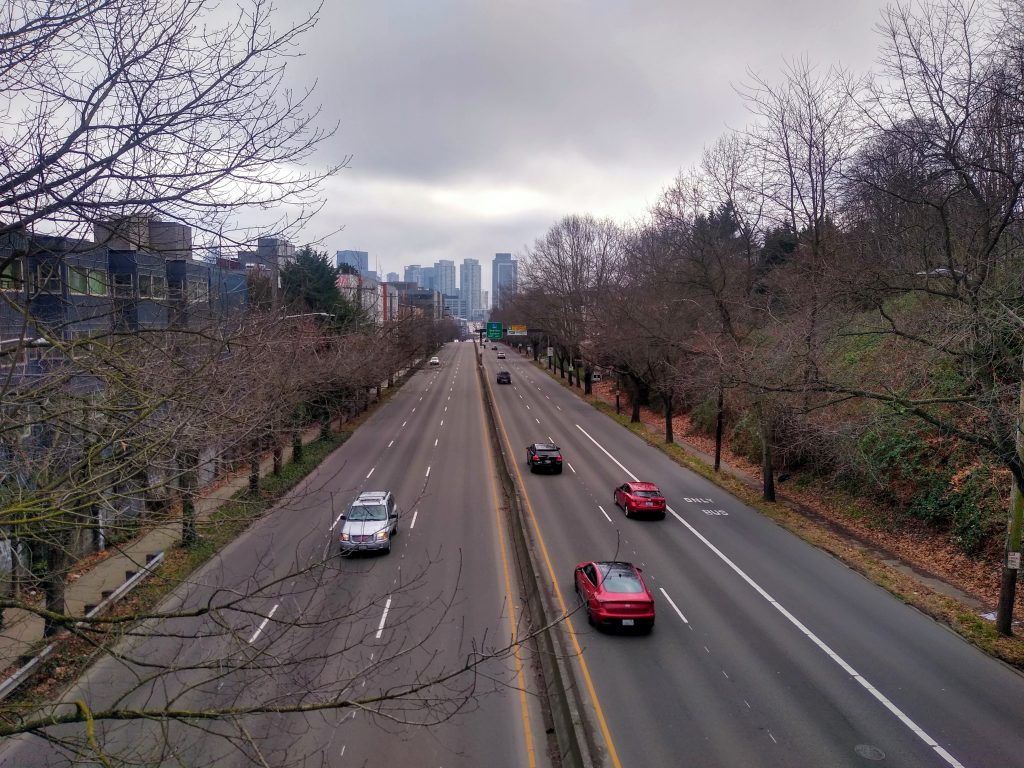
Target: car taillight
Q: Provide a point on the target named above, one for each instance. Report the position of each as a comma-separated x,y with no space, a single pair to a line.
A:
558,457
536,457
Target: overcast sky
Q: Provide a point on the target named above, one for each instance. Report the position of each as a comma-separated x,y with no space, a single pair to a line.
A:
476,124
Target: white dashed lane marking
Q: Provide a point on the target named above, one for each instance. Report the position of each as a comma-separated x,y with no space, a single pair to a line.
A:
263,623
673,604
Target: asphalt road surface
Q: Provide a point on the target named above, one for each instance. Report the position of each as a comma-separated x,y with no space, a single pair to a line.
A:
296,625
766,651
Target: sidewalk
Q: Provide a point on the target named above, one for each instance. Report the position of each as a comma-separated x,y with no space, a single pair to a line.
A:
23,630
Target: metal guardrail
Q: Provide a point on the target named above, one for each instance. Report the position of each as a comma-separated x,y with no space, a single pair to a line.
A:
12,683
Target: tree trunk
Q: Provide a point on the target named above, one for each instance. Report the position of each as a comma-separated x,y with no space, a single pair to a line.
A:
254,474
278,457
718,429
588,385
296,446
669,436
187,483
58,563
561,366
767,471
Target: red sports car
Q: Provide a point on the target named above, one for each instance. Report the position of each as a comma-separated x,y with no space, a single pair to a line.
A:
614,594
640,498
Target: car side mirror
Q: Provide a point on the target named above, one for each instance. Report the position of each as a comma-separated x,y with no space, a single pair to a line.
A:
343,516
639,570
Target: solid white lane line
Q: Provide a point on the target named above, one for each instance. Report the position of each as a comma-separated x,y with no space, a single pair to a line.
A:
581,429
603,512
878,695
383,618
391,443
263,623
413,523
570,467
673,604
369,473
428,472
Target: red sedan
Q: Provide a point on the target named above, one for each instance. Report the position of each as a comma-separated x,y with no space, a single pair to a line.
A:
614,594
640,498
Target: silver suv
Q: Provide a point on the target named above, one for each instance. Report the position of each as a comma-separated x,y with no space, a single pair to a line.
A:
369,524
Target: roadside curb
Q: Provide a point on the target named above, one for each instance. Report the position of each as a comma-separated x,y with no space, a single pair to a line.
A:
560,686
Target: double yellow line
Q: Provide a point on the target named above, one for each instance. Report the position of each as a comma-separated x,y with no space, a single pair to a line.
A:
587,679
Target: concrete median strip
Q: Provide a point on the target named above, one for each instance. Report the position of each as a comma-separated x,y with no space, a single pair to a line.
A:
561,688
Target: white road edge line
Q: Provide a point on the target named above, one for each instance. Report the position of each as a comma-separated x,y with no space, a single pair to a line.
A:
413,523
878,695
603,512
336,521
263,623
383,618
673,604
369,473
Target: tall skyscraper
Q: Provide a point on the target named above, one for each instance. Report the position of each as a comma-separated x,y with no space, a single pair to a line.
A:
469,287
414,274
504,277
444,277
358,259
393,277
428,279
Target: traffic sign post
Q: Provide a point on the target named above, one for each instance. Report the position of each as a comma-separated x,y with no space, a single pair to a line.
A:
495,331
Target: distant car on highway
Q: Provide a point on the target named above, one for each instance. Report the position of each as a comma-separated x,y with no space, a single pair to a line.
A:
614,594
640,498
494,346
501,355
544,456
369,524
435,360
504,377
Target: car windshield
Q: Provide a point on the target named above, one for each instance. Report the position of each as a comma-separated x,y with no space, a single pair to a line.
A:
647,494
368,512
621,580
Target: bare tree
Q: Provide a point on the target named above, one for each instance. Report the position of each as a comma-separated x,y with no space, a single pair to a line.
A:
568,272
128,107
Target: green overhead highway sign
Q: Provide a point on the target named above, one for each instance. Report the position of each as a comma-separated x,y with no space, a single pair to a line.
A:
494,331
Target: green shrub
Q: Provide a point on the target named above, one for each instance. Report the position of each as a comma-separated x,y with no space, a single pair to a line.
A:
746,438
704,415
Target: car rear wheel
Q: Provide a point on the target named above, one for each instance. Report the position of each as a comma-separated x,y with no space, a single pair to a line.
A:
625,508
